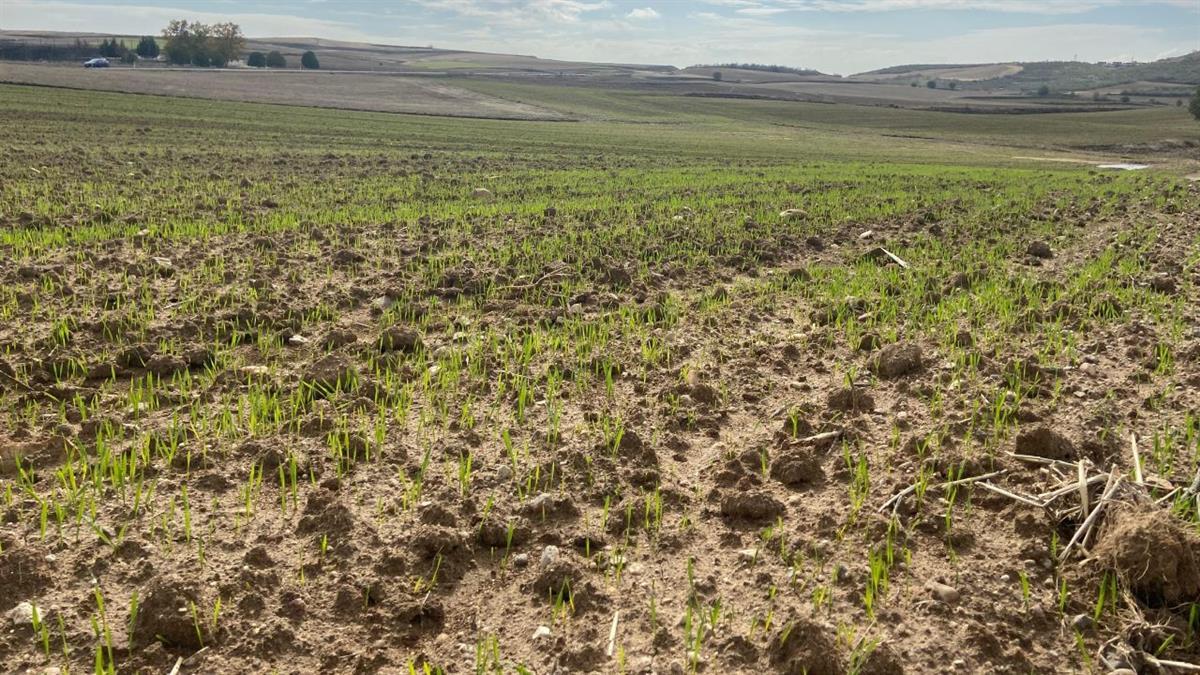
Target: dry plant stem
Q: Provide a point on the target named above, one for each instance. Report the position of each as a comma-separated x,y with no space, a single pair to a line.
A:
1083,487
1012,495
1167,497
1137,459
1073,487
912,488
1179,665
612,633
1194,488
1043,460
816,438
1091,519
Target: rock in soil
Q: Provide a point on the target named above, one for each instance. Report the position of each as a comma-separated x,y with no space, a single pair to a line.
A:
943,593
21,615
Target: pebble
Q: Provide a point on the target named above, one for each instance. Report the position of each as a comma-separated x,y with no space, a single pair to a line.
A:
541,632
521,560
944,593
504,472
747,554
550,555
22,614
1081,622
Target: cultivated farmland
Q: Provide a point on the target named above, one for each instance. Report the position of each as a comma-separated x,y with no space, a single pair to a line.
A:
689,385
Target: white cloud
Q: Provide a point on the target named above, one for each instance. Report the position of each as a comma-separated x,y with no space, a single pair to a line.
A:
1043,7
762,11
642,13
143,19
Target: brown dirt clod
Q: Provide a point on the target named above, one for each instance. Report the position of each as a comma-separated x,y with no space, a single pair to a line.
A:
1154,553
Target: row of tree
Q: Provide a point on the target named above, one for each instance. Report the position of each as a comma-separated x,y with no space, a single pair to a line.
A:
276,60
216,45
202,44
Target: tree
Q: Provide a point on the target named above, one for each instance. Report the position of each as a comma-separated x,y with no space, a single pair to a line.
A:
202,45
716,75
309,60
147,48
1194,106
1044,90
226,42
932,84
256,60
952,84
179,39
129,57
110,48
276,60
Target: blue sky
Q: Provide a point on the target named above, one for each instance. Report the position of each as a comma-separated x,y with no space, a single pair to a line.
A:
839,36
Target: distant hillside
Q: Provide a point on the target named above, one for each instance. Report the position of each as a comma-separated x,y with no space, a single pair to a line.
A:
1057,75
766,68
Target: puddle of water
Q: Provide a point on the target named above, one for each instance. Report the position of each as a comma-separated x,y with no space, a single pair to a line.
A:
1123,166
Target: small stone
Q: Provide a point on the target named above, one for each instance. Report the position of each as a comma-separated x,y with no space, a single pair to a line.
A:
481,193
297,340
504,473
521,560
943,593
867,234
22,614
550,555
1006,578
1081,623
541,632
748,555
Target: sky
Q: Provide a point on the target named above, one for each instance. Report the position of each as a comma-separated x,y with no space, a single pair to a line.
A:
834,36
